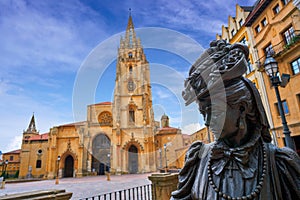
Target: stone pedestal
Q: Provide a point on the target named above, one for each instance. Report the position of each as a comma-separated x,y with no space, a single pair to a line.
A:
163,184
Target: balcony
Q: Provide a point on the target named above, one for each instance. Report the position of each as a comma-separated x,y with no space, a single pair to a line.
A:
281,49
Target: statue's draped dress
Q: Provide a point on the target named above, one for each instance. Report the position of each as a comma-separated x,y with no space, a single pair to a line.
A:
215,172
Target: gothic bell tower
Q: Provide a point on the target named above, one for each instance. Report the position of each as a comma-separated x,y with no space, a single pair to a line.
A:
133,118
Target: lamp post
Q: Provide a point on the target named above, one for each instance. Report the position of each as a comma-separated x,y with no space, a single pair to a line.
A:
107,167
271,68
160,158
57,170
165,147
2,183
5,167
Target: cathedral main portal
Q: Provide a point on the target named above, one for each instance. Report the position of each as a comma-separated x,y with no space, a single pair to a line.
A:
101,154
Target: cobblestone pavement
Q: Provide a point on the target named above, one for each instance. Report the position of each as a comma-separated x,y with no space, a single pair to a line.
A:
81,187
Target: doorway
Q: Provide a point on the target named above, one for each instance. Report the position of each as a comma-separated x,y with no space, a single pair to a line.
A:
133,159
69,166
101,154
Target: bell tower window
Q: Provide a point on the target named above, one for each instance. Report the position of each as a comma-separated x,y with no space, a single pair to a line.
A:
131,115
130,55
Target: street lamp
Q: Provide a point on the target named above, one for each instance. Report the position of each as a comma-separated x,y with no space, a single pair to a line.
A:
160,158
5,166
57,169
165,147
271,68
107,168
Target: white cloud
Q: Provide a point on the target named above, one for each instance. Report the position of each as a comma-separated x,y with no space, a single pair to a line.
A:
192,128
43,37
14,144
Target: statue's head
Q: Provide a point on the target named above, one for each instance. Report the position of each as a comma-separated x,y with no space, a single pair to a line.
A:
230,103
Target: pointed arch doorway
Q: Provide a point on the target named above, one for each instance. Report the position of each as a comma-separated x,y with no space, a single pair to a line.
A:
69,166
101,154
133,159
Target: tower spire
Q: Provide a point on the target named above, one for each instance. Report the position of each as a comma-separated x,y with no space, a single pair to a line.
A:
31,128
130,37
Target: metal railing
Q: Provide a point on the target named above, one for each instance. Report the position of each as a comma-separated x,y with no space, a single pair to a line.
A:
137,193
281,47
284,46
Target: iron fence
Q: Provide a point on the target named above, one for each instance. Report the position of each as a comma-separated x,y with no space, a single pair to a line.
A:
137,193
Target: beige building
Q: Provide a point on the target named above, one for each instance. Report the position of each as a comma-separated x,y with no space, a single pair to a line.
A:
236,31
120,136
10,164
202,135
172,145
275,26
33,153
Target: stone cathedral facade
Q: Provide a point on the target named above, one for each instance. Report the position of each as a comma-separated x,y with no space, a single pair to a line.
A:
120,136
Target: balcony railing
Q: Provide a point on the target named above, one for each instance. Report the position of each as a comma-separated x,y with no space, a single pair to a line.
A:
280,49
283,46
136,193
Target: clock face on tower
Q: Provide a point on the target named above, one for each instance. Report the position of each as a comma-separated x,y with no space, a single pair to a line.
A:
130,85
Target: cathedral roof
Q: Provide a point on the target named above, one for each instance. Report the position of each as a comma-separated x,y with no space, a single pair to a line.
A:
73,124
38,137
103,103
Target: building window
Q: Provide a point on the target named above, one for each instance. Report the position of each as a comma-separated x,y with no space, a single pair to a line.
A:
257,29
105,118
38,164
264,22
284,106
11,158
284,2
296,66
267,49
249,67
131,115
130,55
288,35
233,32
39,152
241,22
244,41
298,100
276,9
130,69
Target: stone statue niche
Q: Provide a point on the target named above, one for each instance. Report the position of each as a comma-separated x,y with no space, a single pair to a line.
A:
242,163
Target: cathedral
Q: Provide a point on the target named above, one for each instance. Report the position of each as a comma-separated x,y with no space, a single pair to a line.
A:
120,136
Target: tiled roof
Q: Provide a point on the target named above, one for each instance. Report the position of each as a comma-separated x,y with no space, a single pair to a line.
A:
186,135
103,103
258,8
38,137
73,124
247,8
14,152
167,128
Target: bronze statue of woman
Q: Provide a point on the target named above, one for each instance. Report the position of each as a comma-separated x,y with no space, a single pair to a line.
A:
242,163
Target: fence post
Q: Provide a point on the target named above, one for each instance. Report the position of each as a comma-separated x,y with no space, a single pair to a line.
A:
162,185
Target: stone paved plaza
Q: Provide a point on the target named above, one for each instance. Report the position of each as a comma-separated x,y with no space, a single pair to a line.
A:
81,187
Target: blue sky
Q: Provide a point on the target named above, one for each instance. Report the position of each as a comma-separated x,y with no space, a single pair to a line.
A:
47,47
